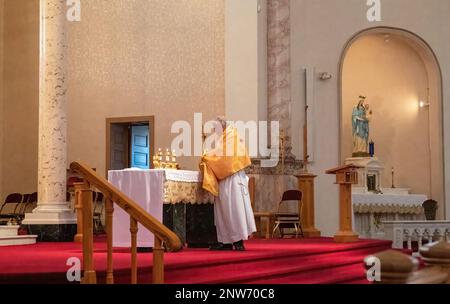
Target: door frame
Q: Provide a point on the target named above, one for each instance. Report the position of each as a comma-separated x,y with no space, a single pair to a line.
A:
129,120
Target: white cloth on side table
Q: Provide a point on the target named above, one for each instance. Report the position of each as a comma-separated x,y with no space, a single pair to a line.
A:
145,187
233,212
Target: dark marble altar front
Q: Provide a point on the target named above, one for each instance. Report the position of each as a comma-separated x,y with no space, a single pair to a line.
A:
193,223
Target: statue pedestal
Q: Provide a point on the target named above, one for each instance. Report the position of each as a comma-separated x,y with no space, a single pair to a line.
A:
369,173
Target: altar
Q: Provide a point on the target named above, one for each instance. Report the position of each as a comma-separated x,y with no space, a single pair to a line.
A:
374,204
174,197
371,210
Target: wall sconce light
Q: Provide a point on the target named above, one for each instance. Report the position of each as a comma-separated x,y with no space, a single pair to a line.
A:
423,104
325,76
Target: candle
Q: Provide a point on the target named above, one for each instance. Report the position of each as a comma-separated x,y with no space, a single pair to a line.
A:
371,148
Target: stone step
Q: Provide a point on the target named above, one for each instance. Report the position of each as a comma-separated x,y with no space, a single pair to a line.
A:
9,230
17,240
9,237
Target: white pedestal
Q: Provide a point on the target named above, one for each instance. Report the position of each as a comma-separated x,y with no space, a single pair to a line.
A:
370,166
52,222
51,214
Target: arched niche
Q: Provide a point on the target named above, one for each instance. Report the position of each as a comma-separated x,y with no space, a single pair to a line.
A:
397,69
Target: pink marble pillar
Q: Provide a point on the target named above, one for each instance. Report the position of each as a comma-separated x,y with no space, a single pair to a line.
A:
279,67
52,207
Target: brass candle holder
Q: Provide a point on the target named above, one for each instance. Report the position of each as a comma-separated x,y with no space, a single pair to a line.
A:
166,160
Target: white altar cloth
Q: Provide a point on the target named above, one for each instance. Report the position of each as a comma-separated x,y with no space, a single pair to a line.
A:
173,175
145,187
388,199
370,210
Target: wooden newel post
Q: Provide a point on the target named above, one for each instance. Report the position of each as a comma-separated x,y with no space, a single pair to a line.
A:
158,261
90,276
306,186
79,208
346,176
109,209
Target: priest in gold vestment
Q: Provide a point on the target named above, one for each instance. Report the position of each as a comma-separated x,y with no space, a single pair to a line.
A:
224,176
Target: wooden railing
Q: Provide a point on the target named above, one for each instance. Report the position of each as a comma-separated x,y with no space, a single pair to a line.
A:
164,237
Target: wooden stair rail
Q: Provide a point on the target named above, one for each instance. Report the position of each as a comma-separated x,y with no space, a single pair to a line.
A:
83,201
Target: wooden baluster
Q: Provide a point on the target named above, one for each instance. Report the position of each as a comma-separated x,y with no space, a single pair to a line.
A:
158,262
79,208
133,230
109,209
88,235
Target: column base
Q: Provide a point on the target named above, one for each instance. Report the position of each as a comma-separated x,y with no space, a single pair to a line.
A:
53,222
53,233
311,233
346,237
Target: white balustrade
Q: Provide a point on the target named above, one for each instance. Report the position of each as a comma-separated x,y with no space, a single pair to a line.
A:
421,232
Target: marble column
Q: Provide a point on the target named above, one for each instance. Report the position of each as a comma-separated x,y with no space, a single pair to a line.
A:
279,67
52,220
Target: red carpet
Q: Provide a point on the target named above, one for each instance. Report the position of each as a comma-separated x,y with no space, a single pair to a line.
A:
290,261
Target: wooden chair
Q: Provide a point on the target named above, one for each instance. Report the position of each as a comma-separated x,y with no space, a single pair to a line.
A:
284,220
30,204
98,211
22,205
14,198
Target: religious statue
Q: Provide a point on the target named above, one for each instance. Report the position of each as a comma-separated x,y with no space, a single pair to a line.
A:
360,126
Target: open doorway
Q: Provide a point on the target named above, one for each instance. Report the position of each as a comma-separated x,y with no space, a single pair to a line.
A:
129,142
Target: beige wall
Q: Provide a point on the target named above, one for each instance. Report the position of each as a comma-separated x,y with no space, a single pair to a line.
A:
20,104
320,31
394,78
246,60
138,58
1,99
126,58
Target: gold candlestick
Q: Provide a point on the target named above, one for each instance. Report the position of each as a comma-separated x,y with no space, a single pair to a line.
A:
282,143
393,185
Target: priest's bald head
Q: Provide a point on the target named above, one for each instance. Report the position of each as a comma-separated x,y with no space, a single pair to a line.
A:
222,121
